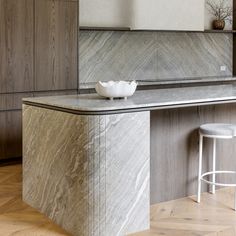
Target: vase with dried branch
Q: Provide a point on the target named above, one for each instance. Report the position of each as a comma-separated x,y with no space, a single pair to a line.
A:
221,12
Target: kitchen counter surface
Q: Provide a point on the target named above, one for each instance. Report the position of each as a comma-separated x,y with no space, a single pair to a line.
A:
174,81
141,101
107,161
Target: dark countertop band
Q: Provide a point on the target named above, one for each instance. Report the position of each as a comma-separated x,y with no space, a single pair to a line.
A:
174,81
92,104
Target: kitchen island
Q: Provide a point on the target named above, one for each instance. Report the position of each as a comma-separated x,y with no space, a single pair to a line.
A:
86,160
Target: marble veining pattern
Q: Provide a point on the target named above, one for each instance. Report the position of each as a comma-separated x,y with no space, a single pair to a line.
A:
89,174
152,56
146,99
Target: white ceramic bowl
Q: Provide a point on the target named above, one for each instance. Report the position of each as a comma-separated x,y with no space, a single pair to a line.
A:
116,89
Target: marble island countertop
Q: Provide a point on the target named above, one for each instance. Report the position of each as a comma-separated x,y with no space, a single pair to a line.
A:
141,101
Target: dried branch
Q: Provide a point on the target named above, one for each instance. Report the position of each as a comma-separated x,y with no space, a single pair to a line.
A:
219,10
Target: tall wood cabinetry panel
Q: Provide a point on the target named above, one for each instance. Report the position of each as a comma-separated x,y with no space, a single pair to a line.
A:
11,134
56,53
38,57
16,45
11,125
234,37
12,102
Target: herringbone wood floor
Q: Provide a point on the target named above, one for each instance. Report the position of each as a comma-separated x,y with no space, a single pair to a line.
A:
213,217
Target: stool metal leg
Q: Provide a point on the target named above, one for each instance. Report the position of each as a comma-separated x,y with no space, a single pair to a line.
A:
213,191
235,200
200,168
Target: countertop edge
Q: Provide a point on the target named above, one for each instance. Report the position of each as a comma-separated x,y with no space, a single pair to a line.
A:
129,110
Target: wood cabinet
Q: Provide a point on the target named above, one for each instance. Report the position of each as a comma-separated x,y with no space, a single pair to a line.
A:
38,56
16,45
11,134
12,101
56,45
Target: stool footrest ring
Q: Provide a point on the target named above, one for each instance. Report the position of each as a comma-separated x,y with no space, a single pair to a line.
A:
217,184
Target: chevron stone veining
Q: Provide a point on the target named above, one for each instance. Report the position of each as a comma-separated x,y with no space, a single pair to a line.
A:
152,56
89,174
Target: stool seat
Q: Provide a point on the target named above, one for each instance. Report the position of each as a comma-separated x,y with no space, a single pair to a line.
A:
218,129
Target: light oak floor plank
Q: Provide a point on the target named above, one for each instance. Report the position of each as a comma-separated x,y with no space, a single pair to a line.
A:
16,217
183,217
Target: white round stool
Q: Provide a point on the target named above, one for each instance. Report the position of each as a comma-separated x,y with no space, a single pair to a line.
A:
214,131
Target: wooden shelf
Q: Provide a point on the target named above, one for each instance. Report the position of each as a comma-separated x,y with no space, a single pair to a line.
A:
104,28
128,29
220,31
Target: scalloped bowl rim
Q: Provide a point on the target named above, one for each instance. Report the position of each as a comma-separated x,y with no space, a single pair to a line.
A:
116,89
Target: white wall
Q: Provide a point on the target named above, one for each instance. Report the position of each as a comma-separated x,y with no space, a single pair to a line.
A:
147,14
143,14
105,13
169,14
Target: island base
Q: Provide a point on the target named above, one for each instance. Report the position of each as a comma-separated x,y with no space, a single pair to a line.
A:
89,174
